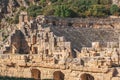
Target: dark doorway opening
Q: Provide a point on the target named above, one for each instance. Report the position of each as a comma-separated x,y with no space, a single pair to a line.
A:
36,74
86,76
58,75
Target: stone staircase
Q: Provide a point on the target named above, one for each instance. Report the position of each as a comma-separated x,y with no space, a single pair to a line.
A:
81,37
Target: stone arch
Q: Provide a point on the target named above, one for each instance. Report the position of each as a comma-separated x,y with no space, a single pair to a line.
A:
86,76
58,75
36,74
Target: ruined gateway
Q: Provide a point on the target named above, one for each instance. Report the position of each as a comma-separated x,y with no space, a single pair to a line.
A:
32,51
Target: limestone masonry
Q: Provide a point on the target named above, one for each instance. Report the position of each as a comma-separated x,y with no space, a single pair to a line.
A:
32,51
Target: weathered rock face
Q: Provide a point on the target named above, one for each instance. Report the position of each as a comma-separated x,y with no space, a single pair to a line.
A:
117,2
8,5
10,8
3,6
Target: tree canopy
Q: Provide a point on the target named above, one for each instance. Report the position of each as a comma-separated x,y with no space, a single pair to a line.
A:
114,10
63,11
34,10
74,8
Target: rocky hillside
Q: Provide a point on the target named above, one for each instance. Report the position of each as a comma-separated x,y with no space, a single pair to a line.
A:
9,9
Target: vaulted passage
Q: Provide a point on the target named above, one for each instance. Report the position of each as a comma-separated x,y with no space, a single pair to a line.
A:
58,75
86,76
36,74
19,43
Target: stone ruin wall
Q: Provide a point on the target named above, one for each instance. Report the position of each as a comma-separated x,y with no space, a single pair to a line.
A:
103,23
19,69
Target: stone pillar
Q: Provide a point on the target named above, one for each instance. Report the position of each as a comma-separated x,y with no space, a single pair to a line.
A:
21,18
95,44
52,44
13,49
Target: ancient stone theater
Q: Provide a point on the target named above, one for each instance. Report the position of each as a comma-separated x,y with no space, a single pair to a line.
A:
32,50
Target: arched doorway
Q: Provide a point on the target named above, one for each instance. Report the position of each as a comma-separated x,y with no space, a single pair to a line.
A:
58,75
86,76
36,74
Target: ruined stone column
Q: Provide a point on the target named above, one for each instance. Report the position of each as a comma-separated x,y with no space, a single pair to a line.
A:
13,49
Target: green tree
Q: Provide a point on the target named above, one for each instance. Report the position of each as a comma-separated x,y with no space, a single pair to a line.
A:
34,10
42,1
48,10
104,2
63,11
114,9
96,11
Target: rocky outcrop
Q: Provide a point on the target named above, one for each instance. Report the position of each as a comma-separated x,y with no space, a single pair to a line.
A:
9,8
